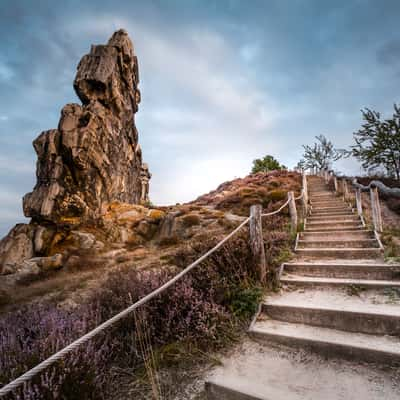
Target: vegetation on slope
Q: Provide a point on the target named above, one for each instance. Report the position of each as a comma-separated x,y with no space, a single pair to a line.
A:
203,312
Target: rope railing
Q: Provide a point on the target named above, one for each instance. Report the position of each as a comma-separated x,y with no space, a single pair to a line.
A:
301,195
395,192
255,234
276,211
342,187
27,376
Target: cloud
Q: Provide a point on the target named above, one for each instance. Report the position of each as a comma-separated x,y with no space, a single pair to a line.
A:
389,53
208,108
6,73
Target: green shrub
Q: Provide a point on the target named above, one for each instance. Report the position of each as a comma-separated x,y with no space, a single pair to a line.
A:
190,220
277,195
244,301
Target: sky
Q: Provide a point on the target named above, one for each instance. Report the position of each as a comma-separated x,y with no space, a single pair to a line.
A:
222,82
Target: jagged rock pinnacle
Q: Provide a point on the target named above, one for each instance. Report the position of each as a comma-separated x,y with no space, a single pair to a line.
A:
93,157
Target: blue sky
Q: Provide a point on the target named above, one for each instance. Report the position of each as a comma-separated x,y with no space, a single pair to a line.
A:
222,82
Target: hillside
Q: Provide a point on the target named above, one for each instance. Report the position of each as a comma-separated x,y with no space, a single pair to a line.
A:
132,250
136,236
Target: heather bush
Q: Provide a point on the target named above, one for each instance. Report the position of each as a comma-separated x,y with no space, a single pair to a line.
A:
35,332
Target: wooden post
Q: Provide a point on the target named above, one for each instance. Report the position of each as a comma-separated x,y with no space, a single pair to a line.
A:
345,189
257,241
326,176
305,195
358,202
335,182
293,212
376,209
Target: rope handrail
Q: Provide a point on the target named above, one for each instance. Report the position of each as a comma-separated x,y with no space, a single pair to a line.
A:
374,188
276,211
85,338
283,206
378,184
301,195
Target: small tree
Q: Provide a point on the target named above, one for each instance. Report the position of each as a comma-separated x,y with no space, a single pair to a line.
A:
378,142
320,155
268,163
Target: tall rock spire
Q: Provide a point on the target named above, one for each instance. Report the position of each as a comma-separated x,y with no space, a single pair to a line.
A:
93,157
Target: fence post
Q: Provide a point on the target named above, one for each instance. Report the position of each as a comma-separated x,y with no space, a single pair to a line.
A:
293,212
336,184
358,202
305,195
376,209
326,176
257,241
345,189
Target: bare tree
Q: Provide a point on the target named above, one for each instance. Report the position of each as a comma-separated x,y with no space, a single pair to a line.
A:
320,155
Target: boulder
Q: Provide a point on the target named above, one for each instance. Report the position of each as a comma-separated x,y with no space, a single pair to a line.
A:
16,247
84,240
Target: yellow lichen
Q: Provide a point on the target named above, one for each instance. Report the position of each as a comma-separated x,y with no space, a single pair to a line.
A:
156,215
70,220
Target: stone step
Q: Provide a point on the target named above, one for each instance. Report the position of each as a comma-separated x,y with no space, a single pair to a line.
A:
345,253
329,221
330,342
332,217
329,214
370,320
346,271
310,282
337,229
327,203
327,210
258,371
322,195
324,218
333,224
340,211
337,243
334,234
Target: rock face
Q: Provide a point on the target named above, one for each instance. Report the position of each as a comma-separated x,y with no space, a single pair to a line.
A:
16,246
93,157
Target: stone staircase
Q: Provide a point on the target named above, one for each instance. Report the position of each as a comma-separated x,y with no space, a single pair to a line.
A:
339,301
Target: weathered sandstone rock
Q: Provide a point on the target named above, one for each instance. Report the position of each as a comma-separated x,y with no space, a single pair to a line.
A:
16,247
93,157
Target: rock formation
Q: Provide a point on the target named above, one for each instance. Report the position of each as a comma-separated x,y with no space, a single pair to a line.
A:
145,176
93,158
